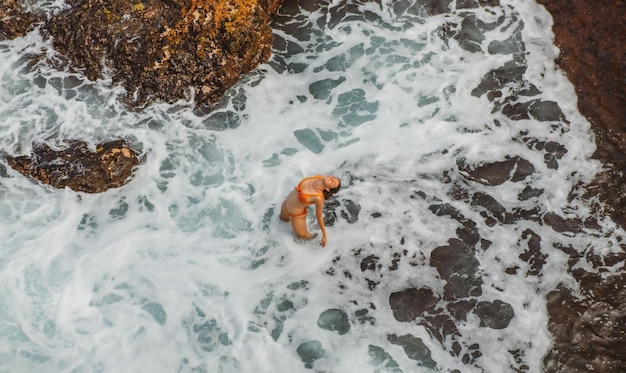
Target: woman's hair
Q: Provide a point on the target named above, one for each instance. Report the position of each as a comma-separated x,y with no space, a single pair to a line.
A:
329,193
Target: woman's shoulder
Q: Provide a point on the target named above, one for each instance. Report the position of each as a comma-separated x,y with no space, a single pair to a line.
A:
307,180
314,177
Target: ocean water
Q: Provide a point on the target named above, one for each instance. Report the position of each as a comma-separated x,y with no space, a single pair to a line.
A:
187,268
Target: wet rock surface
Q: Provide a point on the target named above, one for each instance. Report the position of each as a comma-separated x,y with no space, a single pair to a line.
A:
77,167
414,348
589,328
591,37
334,320
496,173
589,325
158,49
15,19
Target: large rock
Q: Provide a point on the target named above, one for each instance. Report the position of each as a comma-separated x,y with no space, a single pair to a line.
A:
164,50
589,328
591,36
78,167
15,19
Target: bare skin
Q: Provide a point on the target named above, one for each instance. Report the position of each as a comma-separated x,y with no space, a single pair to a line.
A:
293,209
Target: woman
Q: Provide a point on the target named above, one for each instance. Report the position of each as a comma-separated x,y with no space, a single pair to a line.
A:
311,190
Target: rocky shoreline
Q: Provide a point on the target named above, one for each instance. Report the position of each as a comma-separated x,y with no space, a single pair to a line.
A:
592,40
588,323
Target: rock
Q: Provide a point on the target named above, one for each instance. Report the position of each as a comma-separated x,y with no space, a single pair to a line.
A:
458,266
495,315
414,348
533,256
590,329
15,21
493,209
164,50
309,352
559,224
77,167
409,304
334,319
495,173
591,36
378,356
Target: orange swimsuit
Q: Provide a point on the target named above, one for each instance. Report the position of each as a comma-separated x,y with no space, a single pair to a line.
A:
304,196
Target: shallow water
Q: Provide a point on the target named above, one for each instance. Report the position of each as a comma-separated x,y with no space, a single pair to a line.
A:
187,268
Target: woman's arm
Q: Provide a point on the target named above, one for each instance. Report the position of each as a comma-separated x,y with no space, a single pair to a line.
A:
319,204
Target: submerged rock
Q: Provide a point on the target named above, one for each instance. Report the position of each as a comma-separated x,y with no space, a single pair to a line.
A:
309,352
334,319
409,304
378,356
77,167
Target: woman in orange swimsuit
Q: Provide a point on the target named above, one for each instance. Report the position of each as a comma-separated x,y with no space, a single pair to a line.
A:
311,190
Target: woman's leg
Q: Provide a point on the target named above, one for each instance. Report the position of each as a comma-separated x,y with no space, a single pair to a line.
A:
298,223
284,216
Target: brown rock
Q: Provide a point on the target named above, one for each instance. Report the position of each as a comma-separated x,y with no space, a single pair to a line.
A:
559,224
494,209
164,50
409,304
495,315
533,256
592,36
589,330
167,50
77,167
496,173
15,21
